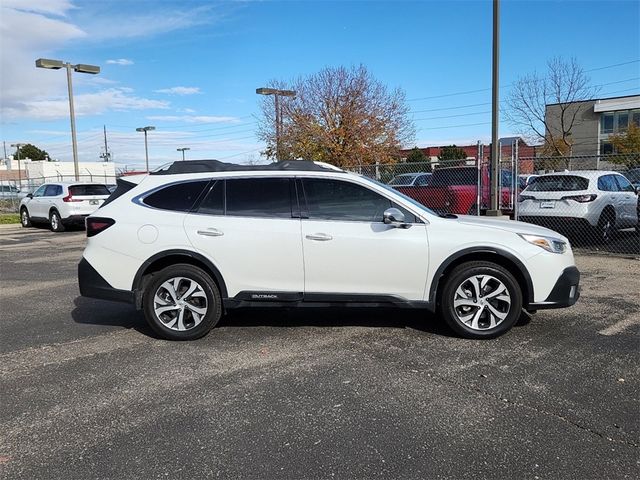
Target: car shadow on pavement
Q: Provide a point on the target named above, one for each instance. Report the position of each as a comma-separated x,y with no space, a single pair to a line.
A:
98,312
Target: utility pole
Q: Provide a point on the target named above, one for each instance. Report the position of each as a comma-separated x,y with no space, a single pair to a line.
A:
18,146
106,156
495,148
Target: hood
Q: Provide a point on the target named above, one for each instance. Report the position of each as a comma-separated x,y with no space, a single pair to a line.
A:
508,226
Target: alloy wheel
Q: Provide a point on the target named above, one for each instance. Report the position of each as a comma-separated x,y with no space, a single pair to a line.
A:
180,303
482,302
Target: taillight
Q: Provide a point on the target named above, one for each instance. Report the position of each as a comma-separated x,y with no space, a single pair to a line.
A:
69,198
581,198
95,225
522,198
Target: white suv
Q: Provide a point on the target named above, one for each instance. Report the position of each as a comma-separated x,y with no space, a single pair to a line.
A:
62,204
197,238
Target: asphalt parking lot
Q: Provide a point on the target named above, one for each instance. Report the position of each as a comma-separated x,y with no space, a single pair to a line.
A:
88,392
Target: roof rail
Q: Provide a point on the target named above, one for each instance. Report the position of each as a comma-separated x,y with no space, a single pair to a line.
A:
204,166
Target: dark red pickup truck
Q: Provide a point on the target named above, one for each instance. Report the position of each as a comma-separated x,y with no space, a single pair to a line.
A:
455,190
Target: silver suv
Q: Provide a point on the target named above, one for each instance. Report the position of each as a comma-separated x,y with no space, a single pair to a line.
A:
600,200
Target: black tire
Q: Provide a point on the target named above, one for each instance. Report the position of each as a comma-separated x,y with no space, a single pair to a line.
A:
606,226
473,210
165,324
56,222
25,219
459,277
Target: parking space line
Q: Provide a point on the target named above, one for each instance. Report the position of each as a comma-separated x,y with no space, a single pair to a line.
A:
620,326
10,290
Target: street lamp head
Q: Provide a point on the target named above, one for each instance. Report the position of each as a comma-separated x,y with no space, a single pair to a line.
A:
275,91
145,129
48,63
83,68
182,149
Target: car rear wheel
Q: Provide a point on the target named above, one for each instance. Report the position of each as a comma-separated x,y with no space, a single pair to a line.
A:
56,222
480,300
182,302
25,219
606,226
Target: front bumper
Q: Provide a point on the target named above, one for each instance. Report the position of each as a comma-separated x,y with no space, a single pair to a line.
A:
93,285
565,292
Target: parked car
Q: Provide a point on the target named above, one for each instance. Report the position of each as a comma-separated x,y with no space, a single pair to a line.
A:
602,201
525,180
633,175
189,242
455,190
419,179
62,204
10,191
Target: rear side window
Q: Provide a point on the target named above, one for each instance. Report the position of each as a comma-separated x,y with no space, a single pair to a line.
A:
559,183
82,190
454,176
179,197
213,203
607,184
259,197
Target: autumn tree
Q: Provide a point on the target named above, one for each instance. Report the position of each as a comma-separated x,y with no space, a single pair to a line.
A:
627,145
342,116
547,107
30,151
451,152
416,161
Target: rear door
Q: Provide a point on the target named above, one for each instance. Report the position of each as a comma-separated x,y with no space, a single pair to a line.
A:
250,229
349,250
86,198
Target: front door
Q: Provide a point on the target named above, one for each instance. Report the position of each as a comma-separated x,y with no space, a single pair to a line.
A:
349,250
246,227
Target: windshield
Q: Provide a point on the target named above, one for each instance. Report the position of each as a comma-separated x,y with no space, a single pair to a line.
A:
402,180
633,175
405,197
559,183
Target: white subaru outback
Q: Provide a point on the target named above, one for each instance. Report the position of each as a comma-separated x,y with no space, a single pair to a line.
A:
192,240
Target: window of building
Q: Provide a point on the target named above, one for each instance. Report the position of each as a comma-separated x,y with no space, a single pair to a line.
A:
623,121
259,197
606,147
179,197
606,125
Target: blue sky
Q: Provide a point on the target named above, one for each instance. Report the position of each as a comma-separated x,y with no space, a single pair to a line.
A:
191,68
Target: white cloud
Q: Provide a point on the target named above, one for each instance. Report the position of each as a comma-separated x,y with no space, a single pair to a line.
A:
120,61
194,118
51,7
179,90
117,99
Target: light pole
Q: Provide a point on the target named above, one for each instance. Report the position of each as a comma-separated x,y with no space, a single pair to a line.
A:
146,148
277,93
81,68
182,149
17,147
494,168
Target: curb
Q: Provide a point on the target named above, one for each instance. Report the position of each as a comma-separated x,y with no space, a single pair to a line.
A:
7,226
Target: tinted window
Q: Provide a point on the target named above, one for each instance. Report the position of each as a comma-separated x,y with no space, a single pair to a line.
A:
213,203
259,197
402,180
623,184
52,190
454,176
422,180
337,200
179,197
607,184
559,183
80,190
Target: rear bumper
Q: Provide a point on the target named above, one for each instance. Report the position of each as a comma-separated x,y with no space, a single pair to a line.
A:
93,285
565,292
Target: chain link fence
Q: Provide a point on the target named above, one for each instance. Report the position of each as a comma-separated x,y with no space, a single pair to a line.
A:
13,191
593,200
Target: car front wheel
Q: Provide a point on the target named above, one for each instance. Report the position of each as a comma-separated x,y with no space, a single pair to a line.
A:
25,220
182,302
480,300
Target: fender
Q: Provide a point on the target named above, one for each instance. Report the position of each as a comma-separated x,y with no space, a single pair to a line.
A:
137,281
471,250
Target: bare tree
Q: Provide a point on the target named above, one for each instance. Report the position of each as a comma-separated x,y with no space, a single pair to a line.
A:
563,87
340,116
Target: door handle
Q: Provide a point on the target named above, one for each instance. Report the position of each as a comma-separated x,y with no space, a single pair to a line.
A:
320,237
210,232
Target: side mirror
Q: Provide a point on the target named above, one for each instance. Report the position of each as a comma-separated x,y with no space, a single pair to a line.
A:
395,218
29,195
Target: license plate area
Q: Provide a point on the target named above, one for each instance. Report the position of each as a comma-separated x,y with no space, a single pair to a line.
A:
94,202
548,204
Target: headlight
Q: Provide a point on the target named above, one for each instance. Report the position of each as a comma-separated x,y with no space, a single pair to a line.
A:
550,244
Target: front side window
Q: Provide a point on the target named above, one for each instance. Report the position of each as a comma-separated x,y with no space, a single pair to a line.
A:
338,200
259,197
179,197
624,185
40,191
